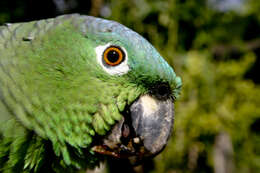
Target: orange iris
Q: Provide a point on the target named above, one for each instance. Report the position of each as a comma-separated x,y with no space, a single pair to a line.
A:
113,55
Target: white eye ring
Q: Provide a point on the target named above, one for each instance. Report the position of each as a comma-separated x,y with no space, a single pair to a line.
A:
119,69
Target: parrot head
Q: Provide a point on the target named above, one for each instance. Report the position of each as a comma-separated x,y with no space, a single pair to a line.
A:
139,84
89,85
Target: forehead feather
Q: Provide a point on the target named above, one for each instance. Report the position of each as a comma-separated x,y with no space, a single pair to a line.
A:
138,44
98,26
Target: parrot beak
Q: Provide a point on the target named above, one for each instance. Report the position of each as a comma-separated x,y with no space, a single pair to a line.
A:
143,132
152,121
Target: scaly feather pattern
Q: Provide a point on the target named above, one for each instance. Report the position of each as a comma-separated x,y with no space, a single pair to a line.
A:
55,98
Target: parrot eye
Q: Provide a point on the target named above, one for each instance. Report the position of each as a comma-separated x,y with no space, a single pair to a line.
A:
113,55
112,58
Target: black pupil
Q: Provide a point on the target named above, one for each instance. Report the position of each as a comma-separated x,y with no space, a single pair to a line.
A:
112,56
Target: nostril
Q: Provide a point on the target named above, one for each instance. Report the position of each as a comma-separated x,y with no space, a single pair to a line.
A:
162,90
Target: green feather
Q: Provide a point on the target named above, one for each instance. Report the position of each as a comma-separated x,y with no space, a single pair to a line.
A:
56,98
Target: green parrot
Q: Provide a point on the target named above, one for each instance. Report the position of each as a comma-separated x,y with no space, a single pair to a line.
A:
76,89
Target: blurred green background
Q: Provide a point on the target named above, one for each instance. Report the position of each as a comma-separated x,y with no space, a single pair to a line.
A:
214,45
